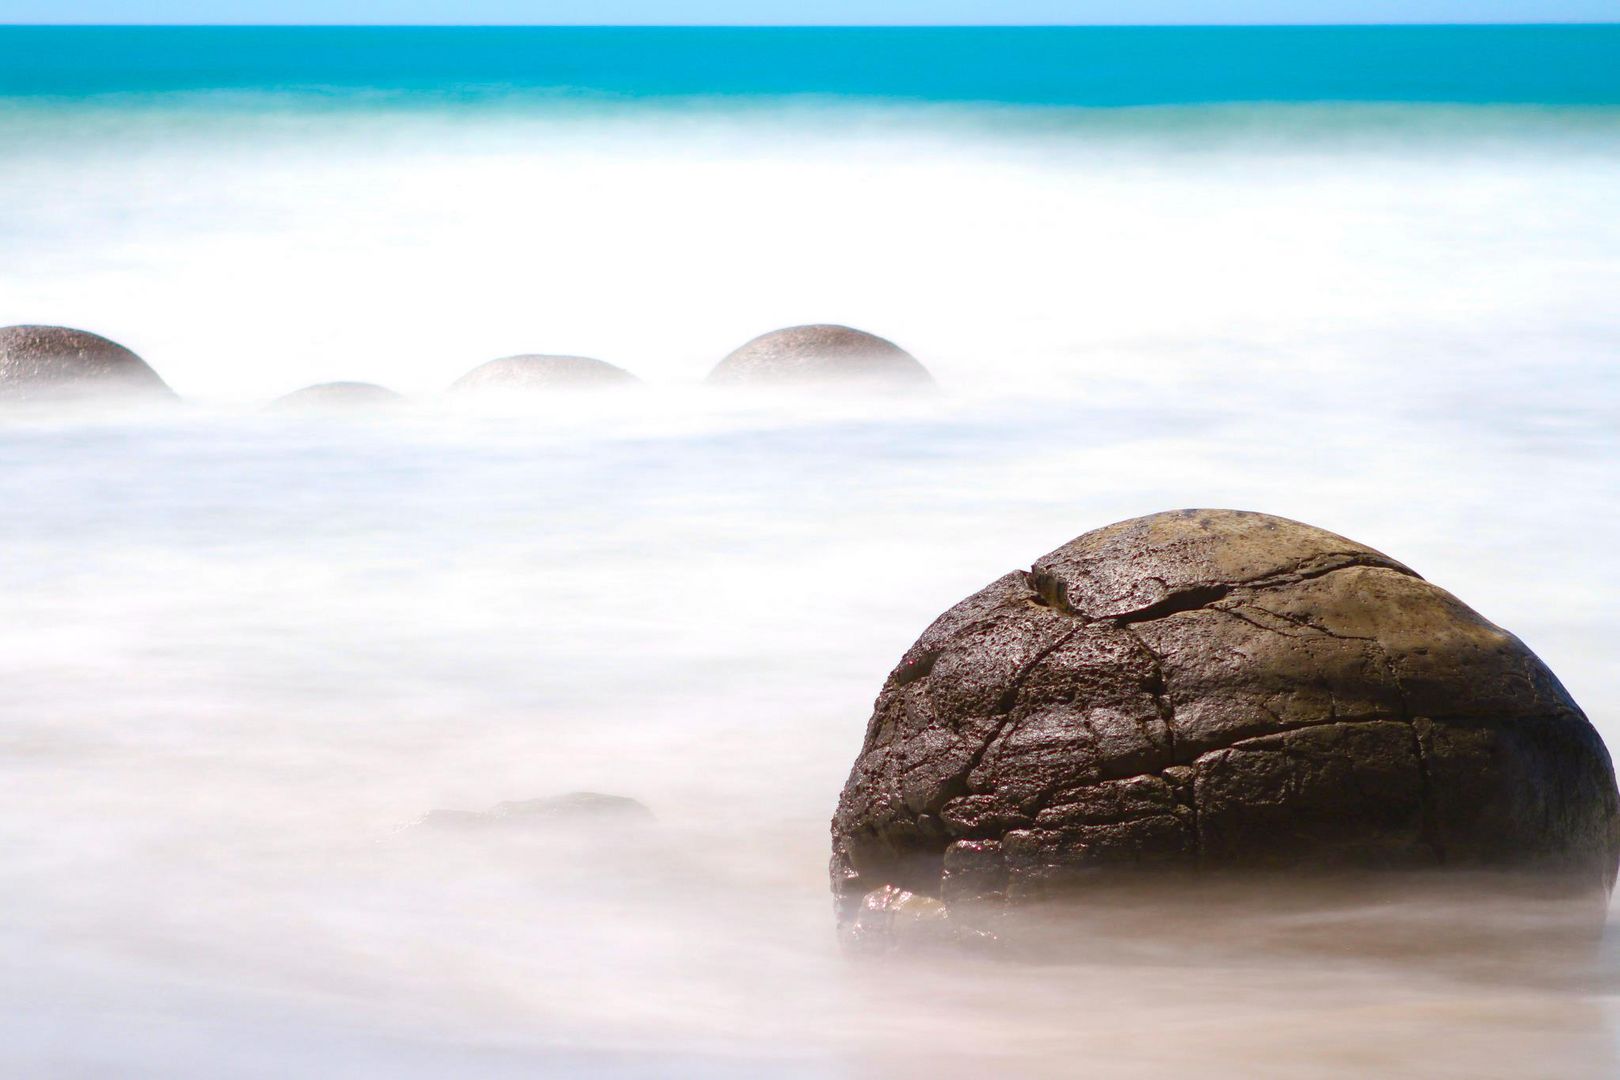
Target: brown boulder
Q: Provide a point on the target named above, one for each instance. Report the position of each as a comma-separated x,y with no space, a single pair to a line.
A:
534,372
54,364
1215,691
820,353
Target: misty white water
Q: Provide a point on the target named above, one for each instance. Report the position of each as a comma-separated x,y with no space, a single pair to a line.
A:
240,652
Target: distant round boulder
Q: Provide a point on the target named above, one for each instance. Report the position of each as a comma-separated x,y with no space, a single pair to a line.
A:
337,397
55,364
536,373
1206,693
820,354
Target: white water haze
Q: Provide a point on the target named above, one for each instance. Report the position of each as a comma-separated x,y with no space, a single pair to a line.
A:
241,652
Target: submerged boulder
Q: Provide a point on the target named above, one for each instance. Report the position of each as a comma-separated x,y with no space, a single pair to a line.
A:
337,397
576,807
55,363
531,373
820,353
1215,691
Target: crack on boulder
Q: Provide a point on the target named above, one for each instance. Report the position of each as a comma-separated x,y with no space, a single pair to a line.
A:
1200,595
1182,780
1009,699
1331,563
1191,598
1428,825
1247,742
1035,735
1238,603
1157,689
1429,828
1233,611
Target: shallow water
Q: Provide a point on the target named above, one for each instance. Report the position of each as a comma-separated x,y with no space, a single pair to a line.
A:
243,652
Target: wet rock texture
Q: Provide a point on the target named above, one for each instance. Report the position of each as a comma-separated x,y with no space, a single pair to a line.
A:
337,396
49,363
820,353
535,372
1215,690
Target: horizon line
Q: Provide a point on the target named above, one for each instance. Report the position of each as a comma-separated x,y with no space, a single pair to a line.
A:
1483,24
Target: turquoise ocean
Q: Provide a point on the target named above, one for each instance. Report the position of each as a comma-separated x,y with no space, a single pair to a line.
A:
1032,66
1362,277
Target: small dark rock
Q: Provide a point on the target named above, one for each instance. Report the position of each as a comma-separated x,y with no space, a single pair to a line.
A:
56,364
1213,692
820,353
894,918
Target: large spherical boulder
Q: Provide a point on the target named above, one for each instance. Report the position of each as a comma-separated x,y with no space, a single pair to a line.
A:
820,354
54,363
337,397
1213,690
534,373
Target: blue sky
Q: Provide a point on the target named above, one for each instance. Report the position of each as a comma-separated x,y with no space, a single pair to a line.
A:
805,11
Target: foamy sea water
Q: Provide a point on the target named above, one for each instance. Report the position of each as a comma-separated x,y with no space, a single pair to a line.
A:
242,652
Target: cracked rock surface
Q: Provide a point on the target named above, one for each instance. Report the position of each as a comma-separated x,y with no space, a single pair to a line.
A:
820,353
1215,690
51,363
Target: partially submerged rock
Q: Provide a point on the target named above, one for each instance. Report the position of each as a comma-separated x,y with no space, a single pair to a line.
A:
820,353
890,918
535,373
337,397
54,364
575,807
1217,692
